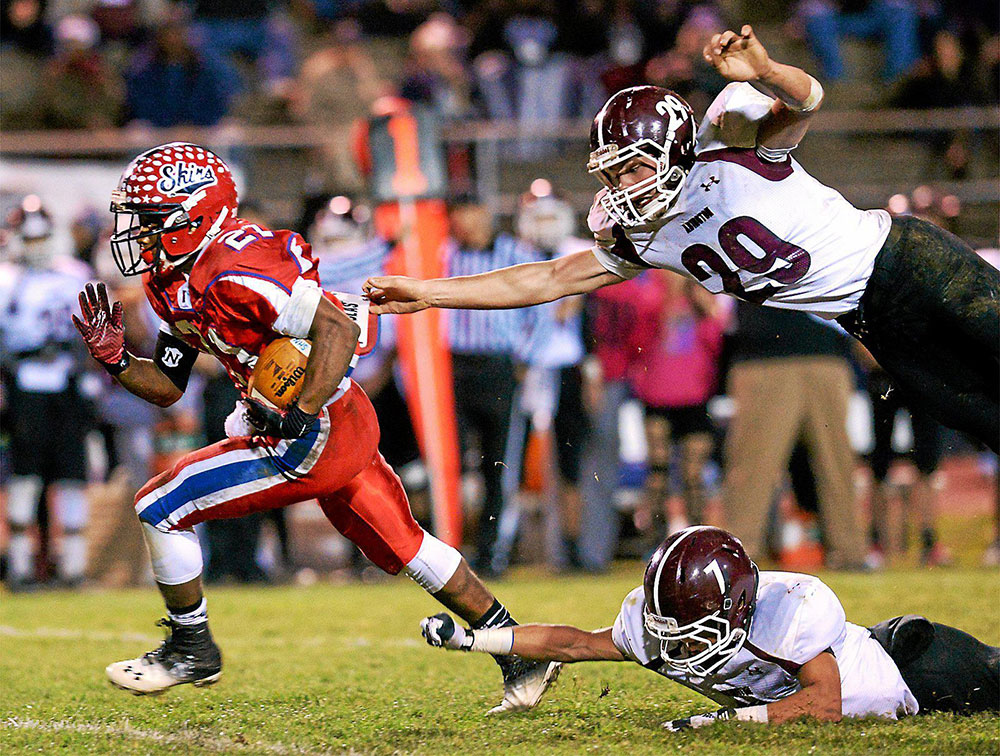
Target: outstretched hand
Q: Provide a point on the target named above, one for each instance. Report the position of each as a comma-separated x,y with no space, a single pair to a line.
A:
395,294
101,328
738,57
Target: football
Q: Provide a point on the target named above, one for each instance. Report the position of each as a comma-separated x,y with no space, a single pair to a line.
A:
277,377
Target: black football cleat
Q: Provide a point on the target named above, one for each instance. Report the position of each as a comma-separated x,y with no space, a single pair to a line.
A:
187,655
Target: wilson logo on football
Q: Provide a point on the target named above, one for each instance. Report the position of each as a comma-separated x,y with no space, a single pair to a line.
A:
184,178
289,381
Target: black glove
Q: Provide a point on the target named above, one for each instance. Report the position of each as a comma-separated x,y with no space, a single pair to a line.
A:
293,423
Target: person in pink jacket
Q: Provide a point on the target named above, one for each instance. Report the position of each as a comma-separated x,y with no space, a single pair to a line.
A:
678,337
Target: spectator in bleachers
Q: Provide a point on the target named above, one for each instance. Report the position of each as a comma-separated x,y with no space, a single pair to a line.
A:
23,26
679,341
683,68
435,72
895,22
790,381
945,78
482,344
170,83
529,80
79,90
25,41
336,87
254,30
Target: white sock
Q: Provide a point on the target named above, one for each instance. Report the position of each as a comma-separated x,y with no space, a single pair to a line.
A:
19,555
197,617
73,561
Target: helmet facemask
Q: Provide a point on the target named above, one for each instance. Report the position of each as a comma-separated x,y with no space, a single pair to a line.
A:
645,201
721,641
133,224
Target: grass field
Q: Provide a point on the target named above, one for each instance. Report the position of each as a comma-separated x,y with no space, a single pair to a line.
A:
341,668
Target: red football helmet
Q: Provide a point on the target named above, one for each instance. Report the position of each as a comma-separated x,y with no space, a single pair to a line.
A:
701,590
647,122
179,192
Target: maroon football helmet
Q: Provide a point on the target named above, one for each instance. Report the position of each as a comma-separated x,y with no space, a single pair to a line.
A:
648,122
701,590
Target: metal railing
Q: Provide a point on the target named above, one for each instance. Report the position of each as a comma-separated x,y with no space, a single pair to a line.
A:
488,139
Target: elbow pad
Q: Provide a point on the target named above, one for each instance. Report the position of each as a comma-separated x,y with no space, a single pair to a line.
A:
175,359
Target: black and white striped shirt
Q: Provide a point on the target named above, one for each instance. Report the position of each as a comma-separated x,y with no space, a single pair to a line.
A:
487,332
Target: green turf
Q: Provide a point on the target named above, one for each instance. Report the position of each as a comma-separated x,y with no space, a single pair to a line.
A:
336,668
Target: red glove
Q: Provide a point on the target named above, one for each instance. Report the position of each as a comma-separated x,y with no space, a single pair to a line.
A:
102,328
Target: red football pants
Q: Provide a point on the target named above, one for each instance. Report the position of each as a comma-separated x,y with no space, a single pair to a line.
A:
337,463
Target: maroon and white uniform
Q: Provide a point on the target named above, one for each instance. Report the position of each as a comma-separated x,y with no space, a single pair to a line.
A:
797,618
751,225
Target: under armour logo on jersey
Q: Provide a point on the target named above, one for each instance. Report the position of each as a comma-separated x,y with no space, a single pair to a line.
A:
184,178
708,184
172,357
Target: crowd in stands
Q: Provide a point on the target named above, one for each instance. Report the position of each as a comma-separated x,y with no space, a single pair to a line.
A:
73,65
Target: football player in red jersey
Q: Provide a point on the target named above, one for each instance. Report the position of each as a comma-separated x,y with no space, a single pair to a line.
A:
227,287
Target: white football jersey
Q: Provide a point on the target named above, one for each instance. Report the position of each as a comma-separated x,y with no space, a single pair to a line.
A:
764,231
37,309
797,618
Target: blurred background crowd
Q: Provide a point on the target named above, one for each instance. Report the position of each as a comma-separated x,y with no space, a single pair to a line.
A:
590,428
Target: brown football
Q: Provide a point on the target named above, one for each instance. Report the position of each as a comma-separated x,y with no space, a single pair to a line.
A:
277,377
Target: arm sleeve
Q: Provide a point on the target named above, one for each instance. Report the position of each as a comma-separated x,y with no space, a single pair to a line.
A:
174,357
296,316
733,118
628,630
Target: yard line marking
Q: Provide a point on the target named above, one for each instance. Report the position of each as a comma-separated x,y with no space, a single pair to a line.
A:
66,633
73,634
187,737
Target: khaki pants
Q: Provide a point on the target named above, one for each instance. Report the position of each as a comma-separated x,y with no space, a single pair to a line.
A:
779,401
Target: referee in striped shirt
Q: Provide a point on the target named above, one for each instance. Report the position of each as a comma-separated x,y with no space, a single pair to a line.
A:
482,344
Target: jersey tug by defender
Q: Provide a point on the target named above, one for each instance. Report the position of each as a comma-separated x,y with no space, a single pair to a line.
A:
726,205
227,287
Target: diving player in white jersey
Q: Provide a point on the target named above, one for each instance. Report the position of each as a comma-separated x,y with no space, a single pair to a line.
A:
767,646
726,205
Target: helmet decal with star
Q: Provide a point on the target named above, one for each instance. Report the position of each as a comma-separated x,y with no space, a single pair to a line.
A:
170,203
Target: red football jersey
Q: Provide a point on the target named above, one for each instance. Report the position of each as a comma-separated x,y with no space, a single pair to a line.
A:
236,298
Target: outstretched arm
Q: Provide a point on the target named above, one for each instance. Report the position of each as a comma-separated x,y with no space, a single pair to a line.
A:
542,642
742,57
516,286
819,697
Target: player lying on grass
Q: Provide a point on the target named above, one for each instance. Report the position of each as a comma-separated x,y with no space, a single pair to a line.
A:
727,206
768,646
227,287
